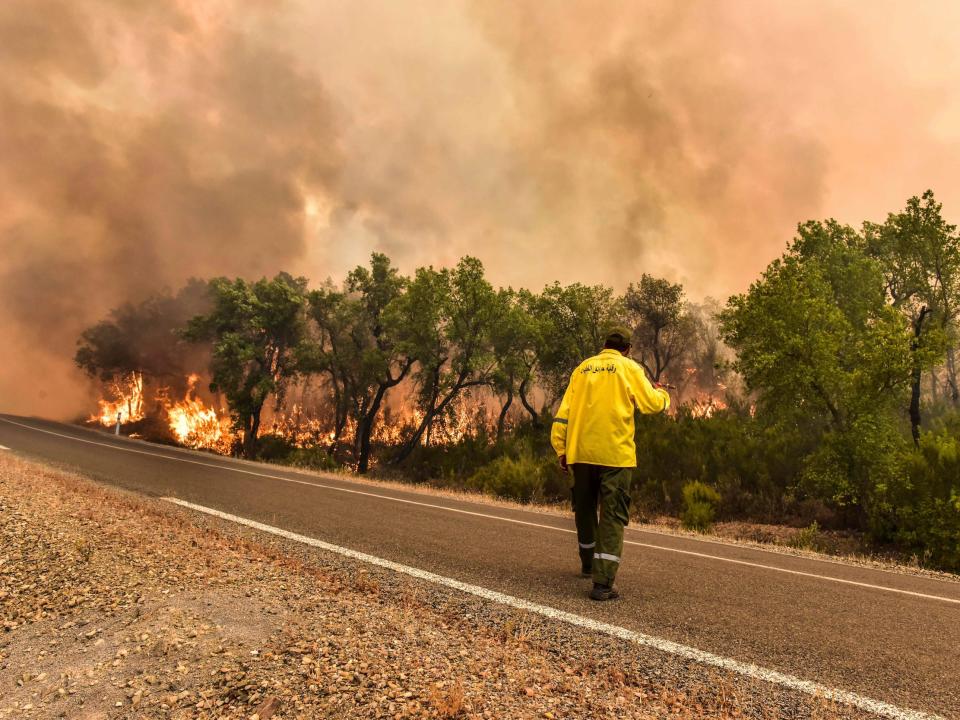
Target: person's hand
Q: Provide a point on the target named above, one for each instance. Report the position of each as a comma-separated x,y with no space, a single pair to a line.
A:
563,463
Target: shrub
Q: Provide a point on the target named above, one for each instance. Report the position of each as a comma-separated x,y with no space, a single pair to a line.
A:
808,538
313,458
699,506
276,449
272,448
524,478
750,465
447,465
925,505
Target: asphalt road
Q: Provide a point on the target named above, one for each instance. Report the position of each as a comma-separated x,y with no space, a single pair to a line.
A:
888,636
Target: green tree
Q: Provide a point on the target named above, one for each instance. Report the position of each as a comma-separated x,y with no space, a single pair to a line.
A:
535,338
375,359
920,257
444,320
258,333
573,321
333,353
824,351
663,329
515,339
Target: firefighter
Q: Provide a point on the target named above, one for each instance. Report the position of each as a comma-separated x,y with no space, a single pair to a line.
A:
593,434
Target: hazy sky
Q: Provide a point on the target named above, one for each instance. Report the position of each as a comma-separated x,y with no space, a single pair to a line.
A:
142,142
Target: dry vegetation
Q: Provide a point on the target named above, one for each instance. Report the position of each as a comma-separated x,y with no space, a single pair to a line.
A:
116,606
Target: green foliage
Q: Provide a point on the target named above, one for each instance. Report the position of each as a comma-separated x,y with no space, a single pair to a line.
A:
924,507
750,465
514,337
663,329
445,321
833,339
572,320
312,458
258,333
919,254
819,345
815,337
700,503
808,538
361,346
272,448
449,465
526,477
276,449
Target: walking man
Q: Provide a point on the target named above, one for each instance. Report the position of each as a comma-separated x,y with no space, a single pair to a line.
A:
593,435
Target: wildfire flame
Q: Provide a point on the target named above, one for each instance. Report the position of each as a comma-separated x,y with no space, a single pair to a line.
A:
301,429
126,405
464,418
197,426
705,408
702,404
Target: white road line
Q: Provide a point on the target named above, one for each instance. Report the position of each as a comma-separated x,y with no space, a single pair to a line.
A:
489,516
668,646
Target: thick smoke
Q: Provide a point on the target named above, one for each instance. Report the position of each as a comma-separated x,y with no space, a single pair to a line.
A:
142,143
140,147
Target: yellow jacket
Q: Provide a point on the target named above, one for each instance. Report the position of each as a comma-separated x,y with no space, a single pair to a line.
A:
594,424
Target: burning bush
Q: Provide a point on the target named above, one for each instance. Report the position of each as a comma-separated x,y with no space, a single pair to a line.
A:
196,425
124,401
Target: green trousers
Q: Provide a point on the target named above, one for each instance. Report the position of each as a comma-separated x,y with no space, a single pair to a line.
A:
601,506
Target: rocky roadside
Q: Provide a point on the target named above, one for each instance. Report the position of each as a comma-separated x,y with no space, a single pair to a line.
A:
114,605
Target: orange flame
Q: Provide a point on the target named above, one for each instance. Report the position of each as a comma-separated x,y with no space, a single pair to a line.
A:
127,405
705,408
197,426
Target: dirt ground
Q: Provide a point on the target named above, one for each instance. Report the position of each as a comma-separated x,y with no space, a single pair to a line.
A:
119,606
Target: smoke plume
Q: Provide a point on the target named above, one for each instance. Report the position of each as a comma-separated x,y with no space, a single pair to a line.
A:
143,143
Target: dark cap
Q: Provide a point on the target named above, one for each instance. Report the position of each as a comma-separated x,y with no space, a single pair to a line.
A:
618,335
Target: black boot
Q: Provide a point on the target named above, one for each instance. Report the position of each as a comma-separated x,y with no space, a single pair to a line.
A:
603,592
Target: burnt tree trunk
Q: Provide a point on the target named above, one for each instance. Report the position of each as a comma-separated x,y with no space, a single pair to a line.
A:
915,378
501,421
952,375
428,419
365,430
534,415
250,432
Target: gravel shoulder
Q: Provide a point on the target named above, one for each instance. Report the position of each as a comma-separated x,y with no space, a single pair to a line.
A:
114,605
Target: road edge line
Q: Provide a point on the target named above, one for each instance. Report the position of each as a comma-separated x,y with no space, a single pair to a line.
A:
756,672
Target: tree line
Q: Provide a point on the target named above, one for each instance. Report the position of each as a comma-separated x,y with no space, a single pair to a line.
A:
837,341
843,353
441,331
